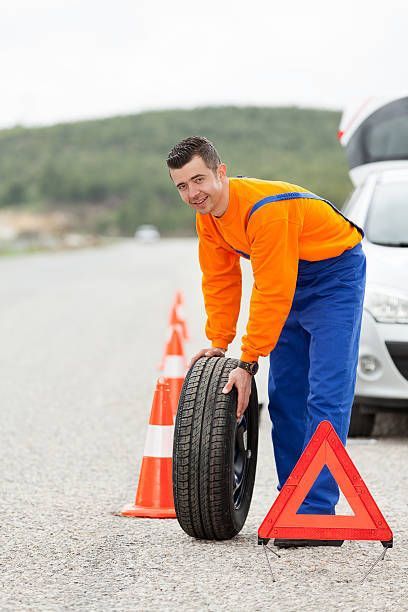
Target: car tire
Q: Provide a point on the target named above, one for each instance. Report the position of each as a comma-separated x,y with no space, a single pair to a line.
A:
361,423
214,457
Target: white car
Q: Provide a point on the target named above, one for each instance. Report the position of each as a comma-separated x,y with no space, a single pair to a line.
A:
147,234
376,142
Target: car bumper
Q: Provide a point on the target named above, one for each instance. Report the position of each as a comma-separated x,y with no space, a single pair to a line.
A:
384,347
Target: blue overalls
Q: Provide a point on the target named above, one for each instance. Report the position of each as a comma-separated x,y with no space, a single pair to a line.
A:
313,366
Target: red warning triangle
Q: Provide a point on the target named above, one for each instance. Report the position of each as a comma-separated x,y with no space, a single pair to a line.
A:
325,448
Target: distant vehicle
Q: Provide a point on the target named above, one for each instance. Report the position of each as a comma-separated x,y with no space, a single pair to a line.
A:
147,233
376,142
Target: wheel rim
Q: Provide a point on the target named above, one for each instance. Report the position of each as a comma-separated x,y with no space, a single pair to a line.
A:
241,457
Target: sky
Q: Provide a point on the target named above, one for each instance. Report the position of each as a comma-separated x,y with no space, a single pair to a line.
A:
81,59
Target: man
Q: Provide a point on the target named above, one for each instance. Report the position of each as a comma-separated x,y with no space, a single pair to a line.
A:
306,304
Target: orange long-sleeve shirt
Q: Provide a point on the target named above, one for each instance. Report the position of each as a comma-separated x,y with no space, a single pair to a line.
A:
274,236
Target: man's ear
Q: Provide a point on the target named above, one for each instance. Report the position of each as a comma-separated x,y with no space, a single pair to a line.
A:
222,171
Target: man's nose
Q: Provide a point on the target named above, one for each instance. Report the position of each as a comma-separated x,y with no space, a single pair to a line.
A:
193,191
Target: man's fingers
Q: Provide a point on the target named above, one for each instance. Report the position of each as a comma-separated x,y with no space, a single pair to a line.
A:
242,405
193,360
213,352
202,353
207,352
228,386
240,412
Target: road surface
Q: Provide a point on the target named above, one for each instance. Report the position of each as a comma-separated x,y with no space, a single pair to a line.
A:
81,334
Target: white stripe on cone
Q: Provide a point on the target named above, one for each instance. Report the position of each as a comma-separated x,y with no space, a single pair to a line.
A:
174,366
159,441
181,313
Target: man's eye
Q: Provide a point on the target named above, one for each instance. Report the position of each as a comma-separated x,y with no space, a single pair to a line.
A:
181,187
199,180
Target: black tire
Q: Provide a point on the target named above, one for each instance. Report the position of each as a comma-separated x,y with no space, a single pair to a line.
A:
361,423
214,458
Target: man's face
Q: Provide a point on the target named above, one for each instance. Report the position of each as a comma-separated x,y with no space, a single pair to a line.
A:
200,187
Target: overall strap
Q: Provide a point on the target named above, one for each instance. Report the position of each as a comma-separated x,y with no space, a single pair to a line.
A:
294,195
242,253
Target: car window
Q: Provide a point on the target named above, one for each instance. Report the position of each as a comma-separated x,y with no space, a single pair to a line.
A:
387,221
382,136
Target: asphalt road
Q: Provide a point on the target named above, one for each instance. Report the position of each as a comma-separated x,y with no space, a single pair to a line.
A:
81,334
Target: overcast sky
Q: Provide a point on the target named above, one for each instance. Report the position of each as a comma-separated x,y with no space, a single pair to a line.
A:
78,59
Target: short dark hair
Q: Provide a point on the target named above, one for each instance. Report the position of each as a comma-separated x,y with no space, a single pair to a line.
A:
184,151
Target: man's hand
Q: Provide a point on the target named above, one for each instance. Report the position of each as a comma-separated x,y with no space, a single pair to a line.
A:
242,381
207,352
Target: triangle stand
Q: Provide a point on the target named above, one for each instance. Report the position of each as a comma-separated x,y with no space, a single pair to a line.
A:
367,523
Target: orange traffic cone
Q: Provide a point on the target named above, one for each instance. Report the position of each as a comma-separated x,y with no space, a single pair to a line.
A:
154,496
176,319
174,367
178,308
169,335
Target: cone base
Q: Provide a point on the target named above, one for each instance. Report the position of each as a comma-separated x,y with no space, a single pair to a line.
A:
143,512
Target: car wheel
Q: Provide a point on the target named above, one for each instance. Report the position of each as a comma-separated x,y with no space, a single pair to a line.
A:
214,457
361,423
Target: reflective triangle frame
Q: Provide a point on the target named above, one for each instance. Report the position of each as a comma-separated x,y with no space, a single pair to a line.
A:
367,523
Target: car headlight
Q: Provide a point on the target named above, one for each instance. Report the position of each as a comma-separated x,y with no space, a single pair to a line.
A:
386,305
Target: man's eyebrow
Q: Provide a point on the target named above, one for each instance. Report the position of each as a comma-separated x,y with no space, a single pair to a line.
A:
191,179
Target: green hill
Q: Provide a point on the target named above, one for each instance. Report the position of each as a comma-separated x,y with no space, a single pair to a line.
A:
115,168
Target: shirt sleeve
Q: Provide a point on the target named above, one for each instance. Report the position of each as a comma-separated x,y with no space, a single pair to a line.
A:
221,284
274,260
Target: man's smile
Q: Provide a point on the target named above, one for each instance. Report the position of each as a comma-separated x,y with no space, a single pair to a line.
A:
200,203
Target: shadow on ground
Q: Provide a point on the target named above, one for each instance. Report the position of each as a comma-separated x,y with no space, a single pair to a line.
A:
391,425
